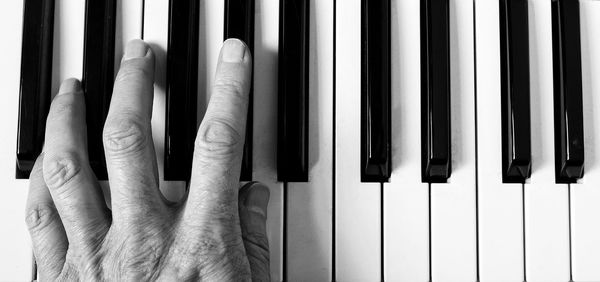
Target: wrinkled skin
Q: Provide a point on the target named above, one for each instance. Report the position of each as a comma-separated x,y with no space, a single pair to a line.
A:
215,233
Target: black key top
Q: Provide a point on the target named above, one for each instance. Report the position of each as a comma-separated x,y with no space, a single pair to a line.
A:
182,89
36,77
239,23
375,156
98,75
568,105
292,137
514,61
436,157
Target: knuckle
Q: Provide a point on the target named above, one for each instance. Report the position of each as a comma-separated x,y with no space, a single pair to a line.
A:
125,136
217,140
40,216
60,169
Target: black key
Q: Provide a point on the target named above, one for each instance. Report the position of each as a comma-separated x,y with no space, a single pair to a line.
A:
436,157
292,137
514,61
182,89
36,77
239,23
98,75
375,130
568,105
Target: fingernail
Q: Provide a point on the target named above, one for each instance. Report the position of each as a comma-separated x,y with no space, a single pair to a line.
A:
233,51
258,198
70,85
135,49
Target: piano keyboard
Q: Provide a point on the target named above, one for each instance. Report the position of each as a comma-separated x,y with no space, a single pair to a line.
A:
430,140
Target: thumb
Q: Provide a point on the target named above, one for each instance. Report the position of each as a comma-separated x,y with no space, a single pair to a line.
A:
253,202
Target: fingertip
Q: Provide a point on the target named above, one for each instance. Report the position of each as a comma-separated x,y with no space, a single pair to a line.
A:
135,49
70,85
257,198
235,51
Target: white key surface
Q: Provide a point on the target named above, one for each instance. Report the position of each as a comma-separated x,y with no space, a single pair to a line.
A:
585,196
405,197
266,47
357,205
546,203
453,204
500,208
129,26
309,205
15,245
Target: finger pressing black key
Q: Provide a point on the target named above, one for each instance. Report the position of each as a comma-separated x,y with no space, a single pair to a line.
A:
239,23
36,73
568,105
435,91
514,62
375,92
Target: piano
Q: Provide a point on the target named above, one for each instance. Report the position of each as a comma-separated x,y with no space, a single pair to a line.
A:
430,140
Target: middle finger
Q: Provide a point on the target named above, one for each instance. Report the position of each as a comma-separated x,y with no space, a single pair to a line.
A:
130,157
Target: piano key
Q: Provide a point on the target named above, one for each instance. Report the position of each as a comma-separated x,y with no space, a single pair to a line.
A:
155,32
265,123
546,204
181,89
568,113
375,92
405,197
129,26
68,41
516,122
435,91
292,144
36,74
309,205
357,235
499,205
453,204
98,75
585,196
15,243
239,23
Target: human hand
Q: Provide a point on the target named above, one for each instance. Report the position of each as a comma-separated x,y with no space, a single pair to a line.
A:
212,235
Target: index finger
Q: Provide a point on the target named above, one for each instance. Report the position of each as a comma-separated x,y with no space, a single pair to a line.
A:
220,139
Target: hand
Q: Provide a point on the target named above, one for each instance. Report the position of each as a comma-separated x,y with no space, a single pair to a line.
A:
212,235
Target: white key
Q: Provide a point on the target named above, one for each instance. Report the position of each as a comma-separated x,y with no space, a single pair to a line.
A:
500,207
358,205
405,197
585,230
309,205
69,22
129,26
266,46
546,203
453,204
15,245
